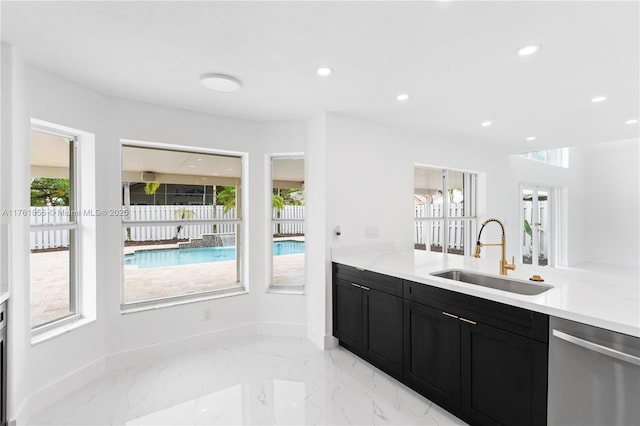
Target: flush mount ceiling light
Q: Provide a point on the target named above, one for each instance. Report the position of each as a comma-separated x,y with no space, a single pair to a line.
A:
486,123
531,138
402,97
599,99
220,83
528,50
633,121
324,71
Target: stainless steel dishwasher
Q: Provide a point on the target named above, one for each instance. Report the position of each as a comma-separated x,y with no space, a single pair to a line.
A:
594,376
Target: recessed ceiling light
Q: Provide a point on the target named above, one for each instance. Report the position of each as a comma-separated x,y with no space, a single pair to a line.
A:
486,123
220,83
528,50
531,138
324,71
199,159
599,99
402,97
191,166
633,121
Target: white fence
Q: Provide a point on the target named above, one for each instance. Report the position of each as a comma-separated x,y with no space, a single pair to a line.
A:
52,216
160,233
431,232
288,228
59,239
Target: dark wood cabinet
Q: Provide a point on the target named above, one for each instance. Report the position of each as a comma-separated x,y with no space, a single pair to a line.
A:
432,354
504,377
483,361
347,314
484,375
382,330
367,316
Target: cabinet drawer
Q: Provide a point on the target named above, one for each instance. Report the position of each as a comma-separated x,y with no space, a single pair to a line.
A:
373,280
516,320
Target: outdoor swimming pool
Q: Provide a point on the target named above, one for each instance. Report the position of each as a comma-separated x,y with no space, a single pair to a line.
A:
173,257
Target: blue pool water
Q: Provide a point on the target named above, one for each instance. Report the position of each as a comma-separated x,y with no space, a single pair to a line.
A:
173,257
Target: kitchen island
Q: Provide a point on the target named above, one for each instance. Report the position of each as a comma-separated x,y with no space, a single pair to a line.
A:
479,352
603,296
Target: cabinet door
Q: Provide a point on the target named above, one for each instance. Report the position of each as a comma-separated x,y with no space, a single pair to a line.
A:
383,330
432,354
500,383
347,314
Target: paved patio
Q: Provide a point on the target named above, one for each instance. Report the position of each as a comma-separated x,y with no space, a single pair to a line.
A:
50,277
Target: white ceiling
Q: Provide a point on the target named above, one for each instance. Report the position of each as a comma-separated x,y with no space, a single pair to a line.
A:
50,154
457,60
161,161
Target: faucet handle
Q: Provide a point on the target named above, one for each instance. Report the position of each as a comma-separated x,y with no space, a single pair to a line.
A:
512,265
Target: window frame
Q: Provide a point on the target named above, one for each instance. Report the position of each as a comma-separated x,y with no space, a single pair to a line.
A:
470,196
272,221
240,223
82,229
557,157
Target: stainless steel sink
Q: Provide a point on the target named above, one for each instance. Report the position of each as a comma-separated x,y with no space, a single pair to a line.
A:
505,284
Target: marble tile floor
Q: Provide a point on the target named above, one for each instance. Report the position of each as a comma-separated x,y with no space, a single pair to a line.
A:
258,380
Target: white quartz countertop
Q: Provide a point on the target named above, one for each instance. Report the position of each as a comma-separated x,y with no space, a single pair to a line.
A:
600,295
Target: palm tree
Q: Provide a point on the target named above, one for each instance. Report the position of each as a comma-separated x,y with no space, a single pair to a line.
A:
182,214
227,197
150,188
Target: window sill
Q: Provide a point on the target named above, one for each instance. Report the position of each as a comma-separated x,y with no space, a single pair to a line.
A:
133,308
297,290
38,337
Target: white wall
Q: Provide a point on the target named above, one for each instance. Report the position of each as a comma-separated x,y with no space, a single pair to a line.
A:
612,203
372,165
369,183
53,367
368,173
34,366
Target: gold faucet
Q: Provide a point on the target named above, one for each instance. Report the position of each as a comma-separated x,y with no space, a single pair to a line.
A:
504,266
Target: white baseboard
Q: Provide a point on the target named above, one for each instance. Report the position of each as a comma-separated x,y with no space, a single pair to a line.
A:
330,342
63,386
124,359
54,391
321,340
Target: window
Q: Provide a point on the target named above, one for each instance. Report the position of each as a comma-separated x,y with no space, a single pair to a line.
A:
539,222
445,210
554,157
181,223
287,223
62,226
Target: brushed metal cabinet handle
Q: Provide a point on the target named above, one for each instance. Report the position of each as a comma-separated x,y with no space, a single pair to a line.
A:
449,315
365,288
468,321
604,350
356,285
